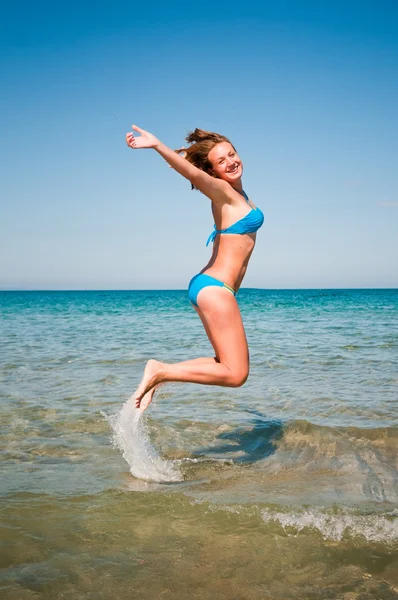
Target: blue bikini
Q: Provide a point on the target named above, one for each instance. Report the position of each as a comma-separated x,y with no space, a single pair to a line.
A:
248,224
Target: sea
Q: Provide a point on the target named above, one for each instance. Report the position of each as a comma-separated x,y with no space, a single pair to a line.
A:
284,488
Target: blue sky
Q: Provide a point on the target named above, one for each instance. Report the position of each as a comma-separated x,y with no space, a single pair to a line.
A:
307,91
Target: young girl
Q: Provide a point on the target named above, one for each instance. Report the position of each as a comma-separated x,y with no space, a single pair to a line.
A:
213,166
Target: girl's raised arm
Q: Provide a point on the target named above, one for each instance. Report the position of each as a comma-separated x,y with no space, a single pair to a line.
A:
216,189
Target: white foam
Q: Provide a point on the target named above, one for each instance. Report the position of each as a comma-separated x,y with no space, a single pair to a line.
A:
131,437
374,528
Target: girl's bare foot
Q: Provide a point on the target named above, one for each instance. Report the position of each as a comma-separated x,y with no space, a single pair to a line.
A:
150,379
147,399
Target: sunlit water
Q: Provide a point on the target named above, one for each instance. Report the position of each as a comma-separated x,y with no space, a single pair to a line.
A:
284,488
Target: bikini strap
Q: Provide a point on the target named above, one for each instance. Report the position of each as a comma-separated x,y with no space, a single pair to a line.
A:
246,197
212,236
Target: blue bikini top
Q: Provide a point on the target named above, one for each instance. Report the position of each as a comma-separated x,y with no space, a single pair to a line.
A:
248,224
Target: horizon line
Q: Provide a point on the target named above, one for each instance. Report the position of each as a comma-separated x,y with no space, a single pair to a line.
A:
282,289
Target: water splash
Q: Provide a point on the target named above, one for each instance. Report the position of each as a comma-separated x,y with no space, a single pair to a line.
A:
131,437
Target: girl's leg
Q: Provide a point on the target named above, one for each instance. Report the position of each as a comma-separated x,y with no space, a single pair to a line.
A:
221,318
148,397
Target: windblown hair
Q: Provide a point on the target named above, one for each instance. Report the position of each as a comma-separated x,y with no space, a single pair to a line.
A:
201,143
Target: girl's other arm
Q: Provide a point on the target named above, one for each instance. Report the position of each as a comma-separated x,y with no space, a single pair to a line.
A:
215,189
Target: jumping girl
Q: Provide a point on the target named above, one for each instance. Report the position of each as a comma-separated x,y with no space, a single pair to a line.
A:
213,166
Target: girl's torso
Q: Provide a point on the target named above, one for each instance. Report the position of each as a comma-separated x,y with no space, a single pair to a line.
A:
232,251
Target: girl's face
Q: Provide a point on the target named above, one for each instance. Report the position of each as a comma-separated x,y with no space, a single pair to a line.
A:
225,162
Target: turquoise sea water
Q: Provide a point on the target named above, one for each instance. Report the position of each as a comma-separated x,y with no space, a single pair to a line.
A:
284,488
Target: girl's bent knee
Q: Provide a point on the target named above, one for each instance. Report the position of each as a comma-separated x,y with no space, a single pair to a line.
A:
238,379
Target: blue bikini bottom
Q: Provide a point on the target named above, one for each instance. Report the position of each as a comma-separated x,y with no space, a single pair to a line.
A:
200,281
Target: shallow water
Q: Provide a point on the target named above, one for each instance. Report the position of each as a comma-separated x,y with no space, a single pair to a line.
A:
284,488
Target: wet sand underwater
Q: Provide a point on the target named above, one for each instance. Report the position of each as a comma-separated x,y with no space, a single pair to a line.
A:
284,488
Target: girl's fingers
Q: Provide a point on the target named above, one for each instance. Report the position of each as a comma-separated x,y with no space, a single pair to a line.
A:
130,140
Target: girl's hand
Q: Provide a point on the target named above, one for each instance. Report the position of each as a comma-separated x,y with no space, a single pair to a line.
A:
145,139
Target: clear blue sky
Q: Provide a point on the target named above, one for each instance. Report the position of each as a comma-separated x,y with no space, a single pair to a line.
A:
306,90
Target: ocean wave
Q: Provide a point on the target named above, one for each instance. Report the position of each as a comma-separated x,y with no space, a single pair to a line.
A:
353,463
313,430
336,441
335,526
